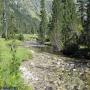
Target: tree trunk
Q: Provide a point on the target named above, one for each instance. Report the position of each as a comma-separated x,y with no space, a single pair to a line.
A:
5,18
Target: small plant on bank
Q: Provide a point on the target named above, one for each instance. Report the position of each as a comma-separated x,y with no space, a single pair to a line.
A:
20,37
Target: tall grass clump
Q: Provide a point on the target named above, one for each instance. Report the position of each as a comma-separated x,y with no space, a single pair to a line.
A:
11,57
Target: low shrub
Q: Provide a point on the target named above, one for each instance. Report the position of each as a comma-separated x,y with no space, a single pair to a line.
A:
10,60
3,35
20,37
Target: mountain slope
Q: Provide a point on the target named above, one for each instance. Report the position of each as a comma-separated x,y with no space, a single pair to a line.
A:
27,12
31,7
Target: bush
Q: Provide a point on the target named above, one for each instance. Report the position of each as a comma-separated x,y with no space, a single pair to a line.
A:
9,65
9,36
3,35
47,40
20,37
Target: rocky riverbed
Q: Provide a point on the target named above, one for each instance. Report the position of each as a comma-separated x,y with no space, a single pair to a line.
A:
54,72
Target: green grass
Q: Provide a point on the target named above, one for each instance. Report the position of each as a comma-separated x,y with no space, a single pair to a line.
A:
21,52
5,60
17,42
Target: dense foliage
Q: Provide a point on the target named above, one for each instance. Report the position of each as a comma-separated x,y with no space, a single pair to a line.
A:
63,24
43,23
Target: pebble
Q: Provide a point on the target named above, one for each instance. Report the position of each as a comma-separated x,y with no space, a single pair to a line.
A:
74,70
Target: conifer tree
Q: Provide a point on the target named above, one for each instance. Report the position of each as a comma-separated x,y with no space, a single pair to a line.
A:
11,27
88,25
63,25
56,24
83,15
43,23
81,10
69,32
1,5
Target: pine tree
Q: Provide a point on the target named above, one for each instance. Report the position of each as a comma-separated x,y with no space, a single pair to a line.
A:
81,10
56,24
63,25
69,32
43,23
88,25
11,27
1,5
83,17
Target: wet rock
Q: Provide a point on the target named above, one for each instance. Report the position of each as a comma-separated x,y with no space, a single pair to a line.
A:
72,66
88,64
74,70
75,88
48,88
32,64
58,63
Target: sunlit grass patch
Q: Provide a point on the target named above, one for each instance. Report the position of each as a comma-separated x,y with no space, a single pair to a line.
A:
6,57
17,42
23,53
5,50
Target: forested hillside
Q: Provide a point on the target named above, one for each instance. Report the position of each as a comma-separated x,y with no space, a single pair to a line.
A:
28,13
